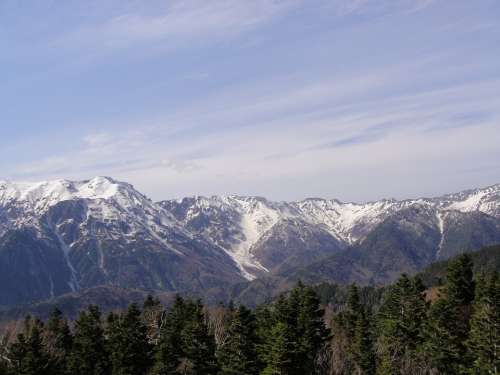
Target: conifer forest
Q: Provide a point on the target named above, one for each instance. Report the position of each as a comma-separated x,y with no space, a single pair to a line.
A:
404,328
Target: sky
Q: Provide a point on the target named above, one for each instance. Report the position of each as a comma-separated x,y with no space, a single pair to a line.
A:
350,99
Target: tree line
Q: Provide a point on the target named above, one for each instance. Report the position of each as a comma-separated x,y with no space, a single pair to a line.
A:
411,330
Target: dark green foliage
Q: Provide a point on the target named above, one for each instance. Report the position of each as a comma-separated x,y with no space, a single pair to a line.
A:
168,352
484,339
28,354
311,330
238,355
130,352
486,260
58,342
89,355
198,345
363,354
295,336
447,326
281,351
399,324
389,331
353,349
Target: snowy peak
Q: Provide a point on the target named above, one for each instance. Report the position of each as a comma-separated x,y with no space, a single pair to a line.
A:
47,193
239,224
485,200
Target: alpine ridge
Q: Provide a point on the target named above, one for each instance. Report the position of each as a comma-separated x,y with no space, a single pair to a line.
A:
62,236
243,225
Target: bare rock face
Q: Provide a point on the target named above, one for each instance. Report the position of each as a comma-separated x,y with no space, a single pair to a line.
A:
65,236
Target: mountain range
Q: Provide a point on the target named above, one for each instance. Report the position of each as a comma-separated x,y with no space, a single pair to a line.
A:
61,236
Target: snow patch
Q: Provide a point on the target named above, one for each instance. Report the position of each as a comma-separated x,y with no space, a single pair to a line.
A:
440,222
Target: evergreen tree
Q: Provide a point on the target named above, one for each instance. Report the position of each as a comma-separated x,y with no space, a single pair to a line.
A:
128,345
152,315
484,341
362,347
28,354
89,355
58,341
169,351
238,354
447,326
265,322
298,319
198,344
311,331
400,324
344,330
352,310
279,358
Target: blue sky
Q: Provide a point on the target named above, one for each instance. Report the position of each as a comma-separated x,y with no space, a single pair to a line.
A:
348,99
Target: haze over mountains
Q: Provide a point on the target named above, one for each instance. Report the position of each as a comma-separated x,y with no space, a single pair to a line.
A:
65,236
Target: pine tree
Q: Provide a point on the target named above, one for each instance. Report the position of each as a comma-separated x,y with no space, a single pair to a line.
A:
400,325
58,341
302,330
362,346
238,354
169,352
352,310
89,355
279,358
265,322
484,341
198,344
344,330
311,331
447,326
128,345
28,354
152,315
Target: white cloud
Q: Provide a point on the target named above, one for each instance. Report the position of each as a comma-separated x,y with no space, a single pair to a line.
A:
182,20
378,7
345,131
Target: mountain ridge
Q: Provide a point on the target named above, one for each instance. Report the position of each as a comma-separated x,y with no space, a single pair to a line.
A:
60,236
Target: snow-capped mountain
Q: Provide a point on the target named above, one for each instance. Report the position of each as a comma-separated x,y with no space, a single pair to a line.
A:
59,236
94,232
241,225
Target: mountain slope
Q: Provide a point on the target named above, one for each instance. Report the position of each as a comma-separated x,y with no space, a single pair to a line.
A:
98,232
62,236
243,225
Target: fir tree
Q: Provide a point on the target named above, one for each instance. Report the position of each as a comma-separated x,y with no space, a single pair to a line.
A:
400,324
238,354
128,345
279,358
484,341
198,344
447,326
89,355
362,346
352,310
152,315
58,341
265,322
341,347
28,354
311,331
168,353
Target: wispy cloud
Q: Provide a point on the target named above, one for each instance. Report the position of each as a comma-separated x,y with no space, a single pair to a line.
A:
178,22
332,128
378,7
183,102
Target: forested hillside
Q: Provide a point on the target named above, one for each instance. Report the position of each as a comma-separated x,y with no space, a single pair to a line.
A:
394,330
